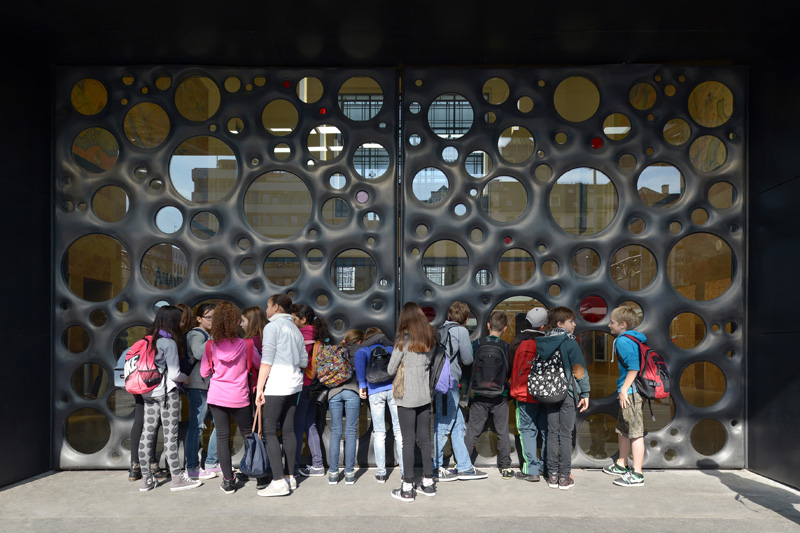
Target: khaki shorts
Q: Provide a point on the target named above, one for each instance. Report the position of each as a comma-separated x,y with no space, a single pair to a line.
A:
630,422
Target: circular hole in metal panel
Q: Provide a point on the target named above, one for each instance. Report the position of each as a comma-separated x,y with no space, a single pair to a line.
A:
445,262
282,267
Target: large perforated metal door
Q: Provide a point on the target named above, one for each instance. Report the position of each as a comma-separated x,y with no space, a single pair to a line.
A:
181,184
588,188
585,187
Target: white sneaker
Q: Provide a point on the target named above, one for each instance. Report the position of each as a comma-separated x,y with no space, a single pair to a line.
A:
276,488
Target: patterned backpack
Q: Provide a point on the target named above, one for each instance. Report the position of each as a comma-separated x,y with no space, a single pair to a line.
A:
547,382
333,365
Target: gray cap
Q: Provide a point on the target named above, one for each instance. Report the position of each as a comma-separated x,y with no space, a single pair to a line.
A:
536,317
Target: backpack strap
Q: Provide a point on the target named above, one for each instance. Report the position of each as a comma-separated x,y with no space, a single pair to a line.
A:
208,356
250,348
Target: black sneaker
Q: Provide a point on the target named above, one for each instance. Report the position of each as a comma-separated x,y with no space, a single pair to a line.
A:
566,483
135,473
445,474
506,473
380,478
552,481
472,473
228,485
159,473
263,482
404,495
527,477
427,490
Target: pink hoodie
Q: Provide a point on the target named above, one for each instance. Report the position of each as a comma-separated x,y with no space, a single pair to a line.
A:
228,386
308,339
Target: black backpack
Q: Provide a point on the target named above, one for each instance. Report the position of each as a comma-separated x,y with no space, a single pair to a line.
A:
378,365
490,367
188,362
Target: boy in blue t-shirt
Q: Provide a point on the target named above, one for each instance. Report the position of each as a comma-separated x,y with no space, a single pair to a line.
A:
630,423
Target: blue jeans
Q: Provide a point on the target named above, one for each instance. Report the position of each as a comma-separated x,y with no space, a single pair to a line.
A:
531,421
451,424
348,403
198,410
305,421
377,409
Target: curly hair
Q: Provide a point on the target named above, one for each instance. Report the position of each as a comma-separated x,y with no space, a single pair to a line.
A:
226,322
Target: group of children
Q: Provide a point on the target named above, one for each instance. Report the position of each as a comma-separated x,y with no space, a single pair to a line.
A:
274,369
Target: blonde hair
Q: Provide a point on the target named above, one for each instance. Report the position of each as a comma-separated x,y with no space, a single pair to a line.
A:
353,336
627,314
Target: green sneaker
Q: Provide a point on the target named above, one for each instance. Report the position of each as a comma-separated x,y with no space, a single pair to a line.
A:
615,470
630,479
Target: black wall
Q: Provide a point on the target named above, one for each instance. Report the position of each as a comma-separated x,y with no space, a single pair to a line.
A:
25,269
774,290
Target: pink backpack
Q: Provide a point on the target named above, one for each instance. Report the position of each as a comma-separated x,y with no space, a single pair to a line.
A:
141,373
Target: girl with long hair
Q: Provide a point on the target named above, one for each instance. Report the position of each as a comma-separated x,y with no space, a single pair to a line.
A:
315,333
197,393
413,343
225,363
252,323
164,401
280,380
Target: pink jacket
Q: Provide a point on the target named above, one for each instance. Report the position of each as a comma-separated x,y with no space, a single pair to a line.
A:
308,339
228,386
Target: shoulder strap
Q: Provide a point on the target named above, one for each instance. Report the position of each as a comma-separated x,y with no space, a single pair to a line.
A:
250,347
631,337
202,332
208,356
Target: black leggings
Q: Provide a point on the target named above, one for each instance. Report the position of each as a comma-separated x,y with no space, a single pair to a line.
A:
222,422
415,425
279,411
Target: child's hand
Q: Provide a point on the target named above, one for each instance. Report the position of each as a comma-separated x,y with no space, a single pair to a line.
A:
623,400
583,404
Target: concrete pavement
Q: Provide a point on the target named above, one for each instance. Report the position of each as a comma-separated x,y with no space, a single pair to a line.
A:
675,500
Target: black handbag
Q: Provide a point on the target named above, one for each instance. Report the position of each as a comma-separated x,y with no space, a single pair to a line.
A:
378,365
318,393
254,462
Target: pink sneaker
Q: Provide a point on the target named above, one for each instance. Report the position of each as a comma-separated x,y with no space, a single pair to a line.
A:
200,473
214,469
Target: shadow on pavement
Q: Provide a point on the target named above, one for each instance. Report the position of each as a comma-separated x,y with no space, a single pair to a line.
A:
779,500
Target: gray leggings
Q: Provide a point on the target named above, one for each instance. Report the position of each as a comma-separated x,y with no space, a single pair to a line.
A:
168,408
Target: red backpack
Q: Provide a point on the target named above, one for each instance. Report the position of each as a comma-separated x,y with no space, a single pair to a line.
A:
652,381
141,372
523,359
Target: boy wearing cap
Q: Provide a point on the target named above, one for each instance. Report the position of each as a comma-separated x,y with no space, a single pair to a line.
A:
531,416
